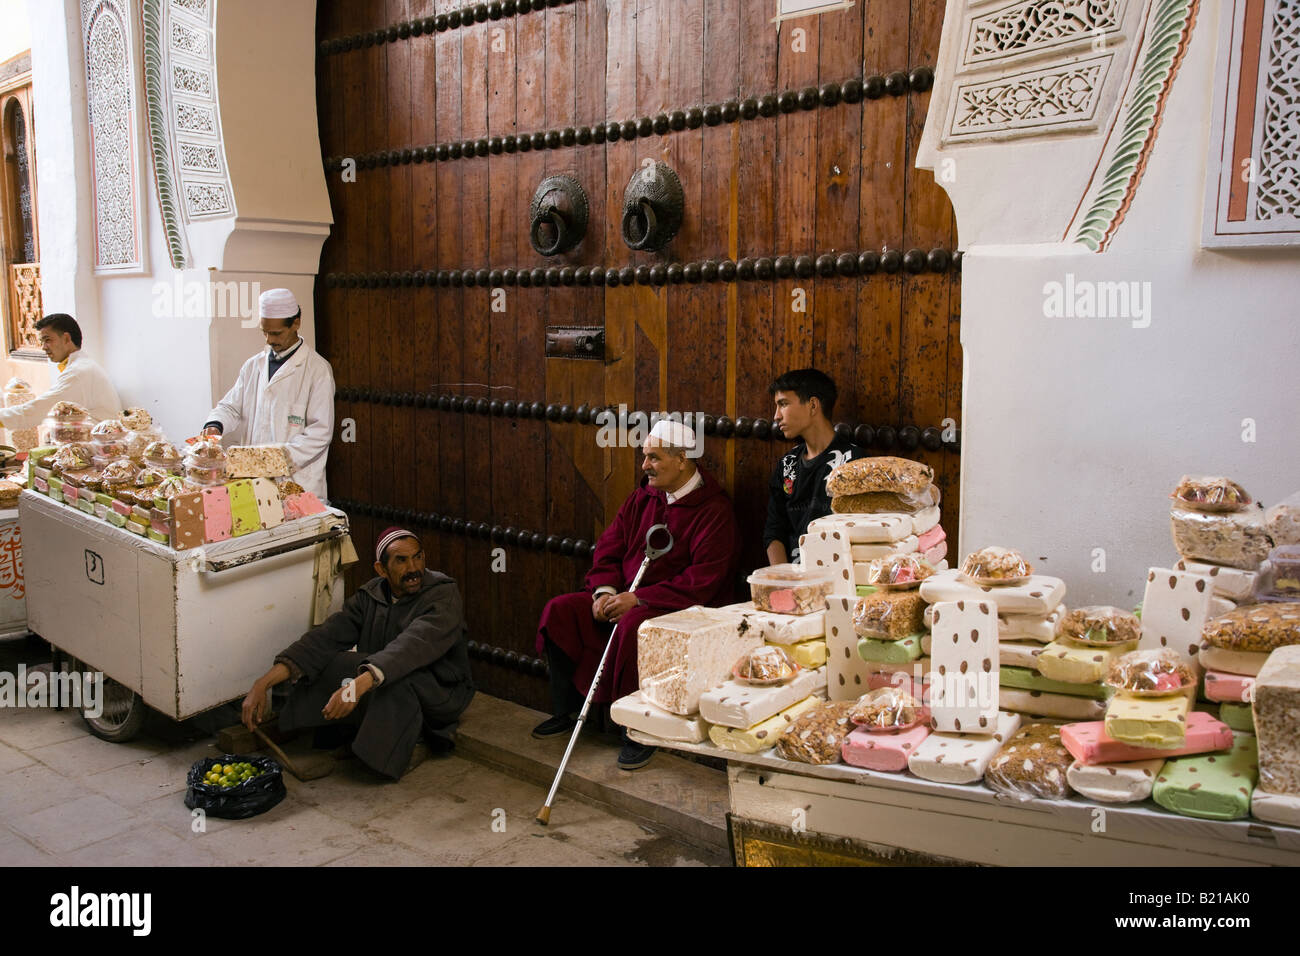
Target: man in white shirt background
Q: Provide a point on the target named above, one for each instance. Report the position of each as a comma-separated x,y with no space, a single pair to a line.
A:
79,379
283,396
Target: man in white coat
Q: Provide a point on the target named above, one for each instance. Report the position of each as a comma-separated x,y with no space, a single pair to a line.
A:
284,396
78,379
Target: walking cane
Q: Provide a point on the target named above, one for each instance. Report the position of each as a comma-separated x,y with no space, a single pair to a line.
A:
651,552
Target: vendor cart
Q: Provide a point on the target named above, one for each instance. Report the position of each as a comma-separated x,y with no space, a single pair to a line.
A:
785,813
179,631
13,600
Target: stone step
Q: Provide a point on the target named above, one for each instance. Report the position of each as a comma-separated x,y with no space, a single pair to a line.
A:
686,798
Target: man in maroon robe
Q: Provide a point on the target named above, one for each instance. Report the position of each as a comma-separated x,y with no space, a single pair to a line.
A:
699,569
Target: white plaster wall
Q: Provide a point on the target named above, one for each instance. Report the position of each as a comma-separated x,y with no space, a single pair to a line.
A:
1076,430
166,358
15,29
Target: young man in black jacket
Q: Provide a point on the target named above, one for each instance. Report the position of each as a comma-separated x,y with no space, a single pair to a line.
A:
409,675
805,401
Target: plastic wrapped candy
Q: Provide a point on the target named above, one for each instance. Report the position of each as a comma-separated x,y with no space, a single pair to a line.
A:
1283,521
1033,763
766,665
119,474
888,709
172,486
1254,627
900,476
993,566
137,441
150,477
817,735
1151,673
18,392
1279,576
1101,625
1238,539
1210,493
207,450
162,454
899,572
889,616
69,422
790,589
72,457
137,419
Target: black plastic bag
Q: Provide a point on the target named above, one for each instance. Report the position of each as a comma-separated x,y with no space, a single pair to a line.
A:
248,799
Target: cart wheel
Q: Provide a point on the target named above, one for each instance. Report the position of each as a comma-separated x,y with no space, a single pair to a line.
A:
122,714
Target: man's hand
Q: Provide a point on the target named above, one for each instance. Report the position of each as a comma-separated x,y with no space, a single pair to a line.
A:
598,605
255,706
256,709
617,605
345,699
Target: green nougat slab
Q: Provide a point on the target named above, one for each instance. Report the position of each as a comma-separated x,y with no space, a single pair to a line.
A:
1025,679
1211,786
1239,717
890,652
245,518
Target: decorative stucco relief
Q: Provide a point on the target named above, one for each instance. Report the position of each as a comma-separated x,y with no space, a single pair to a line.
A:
110,96
189,161
1053,97
1033,26
1253,179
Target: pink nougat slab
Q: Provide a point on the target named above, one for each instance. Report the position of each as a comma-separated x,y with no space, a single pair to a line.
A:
1089,743
937,553
301,505
217,520
887,752
1229,688
931,538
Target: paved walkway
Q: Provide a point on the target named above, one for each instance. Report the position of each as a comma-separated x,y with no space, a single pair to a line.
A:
67,797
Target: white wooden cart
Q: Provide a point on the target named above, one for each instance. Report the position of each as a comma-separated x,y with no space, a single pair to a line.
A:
786,813
179,631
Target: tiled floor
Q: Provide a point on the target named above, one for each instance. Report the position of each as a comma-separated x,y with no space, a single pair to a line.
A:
67,797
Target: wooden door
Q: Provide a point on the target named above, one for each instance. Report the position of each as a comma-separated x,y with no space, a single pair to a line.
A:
809,238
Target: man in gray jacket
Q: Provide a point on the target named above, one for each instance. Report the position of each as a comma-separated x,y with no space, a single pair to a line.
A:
408,676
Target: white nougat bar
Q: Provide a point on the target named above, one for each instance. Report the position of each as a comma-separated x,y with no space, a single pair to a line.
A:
871,552
1175,607
637,713
1039,595
682,654
781,628
961,758
258,461
733,704
1231,583
847,672
1115,782
1023,627
964,657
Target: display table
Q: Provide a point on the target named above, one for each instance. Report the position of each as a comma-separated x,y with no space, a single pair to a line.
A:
783,811
185,630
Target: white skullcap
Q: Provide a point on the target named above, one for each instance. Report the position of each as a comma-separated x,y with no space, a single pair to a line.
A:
277,304
669,432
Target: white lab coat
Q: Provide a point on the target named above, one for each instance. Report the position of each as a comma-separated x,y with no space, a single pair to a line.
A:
82,381
294,409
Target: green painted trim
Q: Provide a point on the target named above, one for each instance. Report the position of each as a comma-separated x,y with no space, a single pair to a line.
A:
156,99
1171,23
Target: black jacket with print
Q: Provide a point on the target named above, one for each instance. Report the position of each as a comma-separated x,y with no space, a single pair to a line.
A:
797,492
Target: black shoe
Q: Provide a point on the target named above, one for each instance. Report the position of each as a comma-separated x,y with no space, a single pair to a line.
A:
554,727
634,756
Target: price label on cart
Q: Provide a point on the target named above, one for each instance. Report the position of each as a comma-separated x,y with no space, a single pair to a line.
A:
94,567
